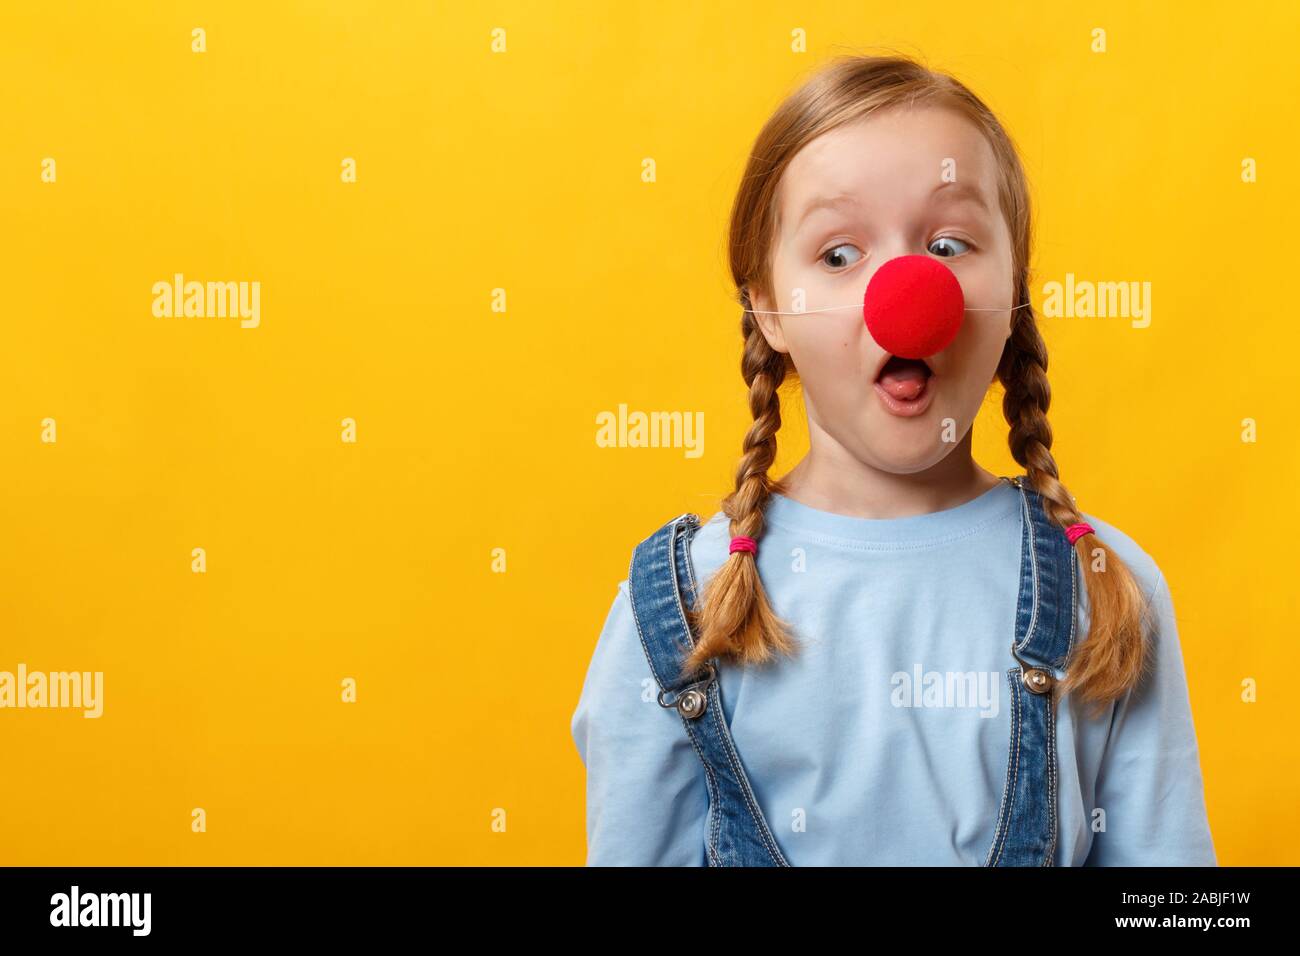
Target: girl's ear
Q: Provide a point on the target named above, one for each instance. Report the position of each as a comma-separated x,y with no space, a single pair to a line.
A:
769,325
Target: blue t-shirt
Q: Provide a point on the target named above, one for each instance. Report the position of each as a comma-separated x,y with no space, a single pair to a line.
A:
851,761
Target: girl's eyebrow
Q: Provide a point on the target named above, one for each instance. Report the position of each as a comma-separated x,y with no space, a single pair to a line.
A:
826,202
960,190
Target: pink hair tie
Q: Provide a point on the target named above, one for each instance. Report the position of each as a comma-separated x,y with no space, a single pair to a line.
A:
742,543
1077,531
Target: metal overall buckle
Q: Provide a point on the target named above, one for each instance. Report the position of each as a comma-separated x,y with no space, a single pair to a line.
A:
692,700
1038,680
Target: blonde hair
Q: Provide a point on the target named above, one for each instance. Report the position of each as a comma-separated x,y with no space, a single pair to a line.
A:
733,618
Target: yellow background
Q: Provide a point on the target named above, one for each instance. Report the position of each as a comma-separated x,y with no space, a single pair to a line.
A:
476,429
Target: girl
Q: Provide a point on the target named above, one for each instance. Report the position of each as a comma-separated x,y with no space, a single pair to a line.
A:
889,655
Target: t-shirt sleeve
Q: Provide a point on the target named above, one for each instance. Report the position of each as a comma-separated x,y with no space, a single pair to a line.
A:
1149,782
646,796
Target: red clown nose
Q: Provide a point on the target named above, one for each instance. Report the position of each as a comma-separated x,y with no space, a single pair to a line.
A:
913,306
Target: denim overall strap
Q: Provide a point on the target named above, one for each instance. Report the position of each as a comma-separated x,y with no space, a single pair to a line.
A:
661,584
1045,630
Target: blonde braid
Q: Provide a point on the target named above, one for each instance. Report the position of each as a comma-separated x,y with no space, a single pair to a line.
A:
1110,660
733,617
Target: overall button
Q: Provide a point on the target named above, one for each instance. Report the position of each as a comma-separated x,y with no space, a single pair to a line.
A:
692,703
1038,681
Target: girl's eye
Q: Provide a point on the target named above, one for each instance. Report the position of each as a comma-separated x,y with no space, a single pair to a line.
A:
961,242
836,253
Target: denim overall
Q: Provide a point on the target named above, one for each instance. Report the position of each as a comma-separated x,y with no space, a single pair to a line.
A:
661,581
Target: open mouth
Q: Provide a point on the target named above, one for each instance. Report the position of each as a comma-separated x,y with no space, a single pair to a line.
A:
900,372
903,385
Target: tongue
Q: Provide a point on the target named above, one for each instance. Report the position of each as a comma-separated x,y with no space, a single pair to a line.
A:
904,378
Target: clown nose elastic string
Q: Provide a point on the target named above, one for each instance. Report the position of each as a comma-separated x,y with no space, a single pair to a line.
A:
913,307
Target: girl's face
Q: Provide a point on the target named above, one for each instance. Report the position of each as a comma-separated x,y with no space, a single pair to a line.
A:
851,200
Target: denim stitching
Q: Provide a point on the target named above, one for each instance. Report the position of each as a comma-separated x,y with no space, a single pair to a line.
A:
1050,756
1013,761
724,735
1074,606
714,796
1051,722
640,633
672,570
720,725
690,524
690,569
1015,783
725,738
711,783
1013,773
1051,781
670,532
711,841
1033,567
1007,808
